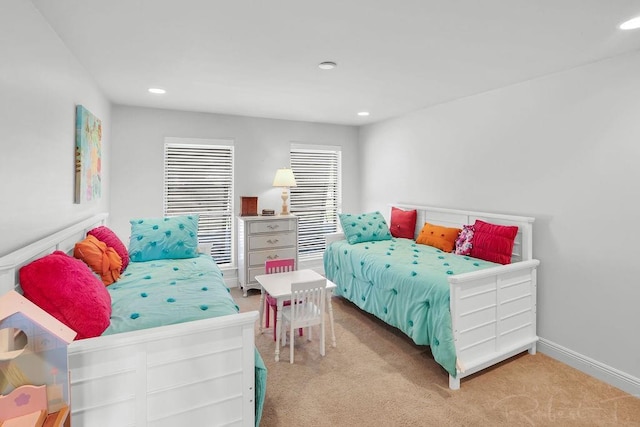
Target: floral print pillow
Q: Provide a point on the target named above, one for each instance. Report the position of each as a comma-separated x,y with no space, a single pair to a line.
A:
464,242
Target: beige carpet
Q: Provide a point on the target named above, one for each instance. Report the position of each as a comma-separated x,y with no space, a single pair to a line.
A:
376,376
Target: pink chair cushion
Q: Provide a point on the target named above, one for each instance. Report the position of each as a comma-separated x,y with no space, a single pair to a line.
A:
274,302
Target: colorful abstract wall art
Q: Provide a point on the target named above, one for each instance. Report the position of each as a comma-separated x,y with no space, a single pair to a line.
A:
88,156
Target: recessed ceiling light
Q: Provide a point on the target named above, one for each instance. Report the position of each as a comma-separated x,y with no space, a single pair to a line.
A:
631,24
157,90
327,65
363,113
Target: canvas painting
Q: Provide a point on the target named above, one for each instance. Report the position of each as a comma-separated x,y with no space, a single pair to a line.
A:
88,156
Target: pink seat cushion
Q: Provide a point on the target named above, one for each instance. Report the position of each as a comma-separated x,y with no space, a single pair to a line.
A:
67,289
104,234
274,302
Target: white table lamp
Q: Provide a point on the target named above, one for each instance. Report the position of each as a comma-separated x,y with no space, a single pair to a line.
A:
284,178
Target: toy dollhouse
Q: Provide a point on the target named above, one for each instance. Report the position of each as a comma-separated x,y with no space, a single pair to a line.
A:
34,377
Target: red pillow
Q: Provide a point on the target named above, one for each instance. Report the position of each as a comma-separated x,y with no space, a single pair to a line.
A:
67,289
493,242
403,223
104,234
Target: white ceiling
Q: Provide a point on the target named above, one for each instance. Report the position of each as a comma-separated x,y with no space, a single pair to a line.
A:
259,58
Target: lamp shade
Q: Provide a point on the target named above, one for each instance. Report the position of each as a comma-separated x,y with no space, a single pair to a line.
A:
284,178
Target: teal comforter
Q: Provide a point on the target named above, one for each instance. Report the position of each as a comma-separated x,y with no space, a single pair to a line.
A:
170,291
404,284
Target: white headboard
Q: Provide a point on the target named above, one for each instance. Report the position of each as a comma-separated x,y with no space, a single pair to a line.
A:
522,248
63,240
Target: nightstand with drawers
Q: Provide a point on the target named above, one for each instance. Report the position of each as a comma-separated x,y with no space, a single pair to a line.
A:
261,238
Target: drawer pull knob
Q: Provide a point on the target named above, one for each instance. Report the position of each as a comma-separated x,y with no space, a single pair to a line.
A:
273,227
273,257
272,242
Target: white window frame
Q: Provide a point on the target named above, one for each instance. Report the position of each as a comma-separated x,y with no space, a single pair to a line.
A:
311,230
216,224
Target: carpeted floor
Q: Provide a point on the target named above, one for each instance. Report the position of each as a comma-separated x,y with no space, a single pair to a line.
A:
376,376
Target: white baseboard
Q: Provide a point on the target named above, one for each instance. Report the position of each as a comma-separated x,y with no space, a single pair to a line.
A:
592,367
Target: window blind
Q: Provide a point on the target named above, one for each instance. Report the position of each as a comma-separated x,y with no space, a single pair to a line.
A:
316,199
198,179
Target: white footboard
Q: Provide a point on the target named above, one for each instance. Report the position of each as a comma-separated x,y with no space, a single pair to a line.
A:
191,374
493,314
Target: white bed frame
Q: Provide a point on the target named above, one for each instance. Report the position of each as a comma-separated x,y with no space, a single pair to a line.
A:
493,311
192,374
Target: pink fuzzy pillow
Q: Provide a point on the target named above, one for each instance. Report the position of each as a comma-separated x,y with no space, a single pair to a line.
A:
493,242
67,289
107,236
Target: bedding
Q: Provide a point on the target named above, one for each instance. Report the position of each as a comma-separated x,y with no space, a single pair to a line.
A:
172,237
168,291
493,242
443,238
403,223
109,238
67,289
464,242
366,227
102,259
404,284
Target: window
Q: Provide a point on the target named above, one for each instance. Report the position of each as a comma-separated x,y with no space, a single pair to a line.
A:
316,200
198,179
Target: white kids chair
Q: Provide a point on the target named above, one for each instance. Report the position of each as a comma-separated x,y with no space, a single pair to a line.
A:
306,310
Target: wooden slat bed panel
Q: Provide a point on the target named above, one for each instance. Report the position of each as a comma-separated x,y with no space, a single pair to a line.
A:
523,247
63,240
194,373
493,315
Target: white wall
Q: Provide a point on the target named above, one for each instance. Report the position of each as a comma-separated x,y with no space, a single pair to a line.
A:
564,149
40,85
261,147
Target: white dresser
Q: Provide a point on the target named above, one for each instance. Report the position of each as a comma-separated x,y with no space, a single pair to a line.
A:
261,238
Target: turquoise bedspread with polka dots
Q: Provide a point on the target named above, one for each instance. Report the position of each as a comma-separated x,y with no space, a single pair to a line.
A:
404,284
168,291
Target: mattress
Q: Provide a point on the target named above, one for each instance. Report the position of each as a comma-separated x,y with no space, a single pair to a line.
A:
405,285
169,291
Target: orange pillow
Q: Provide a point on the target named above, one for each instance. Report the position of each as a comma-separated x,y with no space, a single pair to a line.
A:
103,260
443,238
